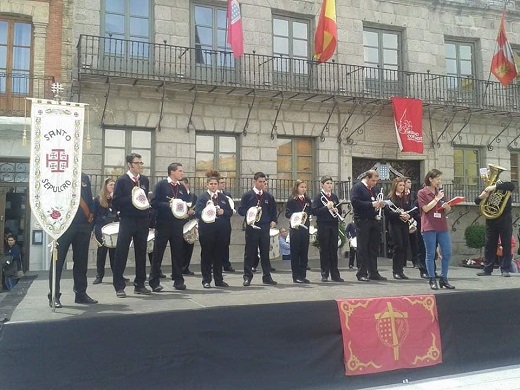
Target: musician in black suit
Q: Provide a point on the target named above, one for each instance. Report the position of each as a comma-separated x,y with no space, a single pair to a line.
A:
78,234
257,233
323,206
188,248
299,235
416,242
226,263
133,225
168,228
366,208
213,231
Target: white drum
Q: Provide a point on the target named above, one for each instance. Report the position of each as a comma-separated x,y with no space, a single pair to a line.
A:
274,247
150,241
190,231
313,234
109,234
139,199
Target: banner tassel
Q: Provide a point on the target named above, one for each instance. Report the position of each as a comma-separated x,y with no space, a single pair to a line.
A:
24,137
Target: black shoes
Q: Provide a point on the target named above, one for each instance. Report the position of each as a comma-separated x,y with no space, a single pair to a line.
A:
247,282
443,283
324,279
83,298
179,286
269,281
433,284
424,275
188,272
221,284
338,280
308,268
377,277
299,281
363,279
162,276
120,294
157,288
483,273
98,280
401,276
398,276
57,303
272,269
126,279
141,290
229,269
206,285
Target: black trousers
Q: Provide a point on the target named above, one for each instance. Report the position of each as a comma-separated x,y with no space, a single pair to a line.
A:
79,236
501,227
101,255
368,234
226,263
399,233
414,246
136,229
168,232
421,252
187,254
299,252
353,256
257,239
212,247
328,239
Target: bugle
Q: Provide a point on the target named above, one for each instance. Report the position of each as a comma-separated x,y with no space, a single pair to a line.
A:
412,223
380,197
333,211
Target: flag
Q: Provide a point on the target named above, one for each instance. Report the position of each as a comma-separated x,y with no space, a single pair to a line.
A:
326,35
503,63
235,37
383,334
408,115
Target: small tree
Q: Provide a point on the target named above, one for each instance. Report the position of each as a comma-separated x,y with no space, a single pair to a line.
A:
475,236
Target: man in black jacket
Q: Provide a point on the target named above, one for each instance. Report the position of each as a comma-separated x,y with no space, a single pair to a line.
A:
257,234
501,227
78,234
133,224
368,225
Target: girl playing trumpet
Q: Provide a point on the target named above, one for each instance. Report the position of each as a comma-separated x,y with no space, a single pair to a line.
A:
398,223
299,203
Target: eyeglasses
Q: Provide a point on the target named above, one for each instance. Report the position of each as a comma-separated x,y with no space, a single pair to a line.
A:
137,162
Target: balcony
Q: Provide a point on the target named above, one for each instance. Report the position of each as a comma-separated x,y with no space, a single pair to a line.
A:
135,62
15,88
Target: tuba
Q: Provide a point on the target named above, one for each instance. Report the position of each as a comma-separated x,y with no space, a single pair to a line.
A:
493,206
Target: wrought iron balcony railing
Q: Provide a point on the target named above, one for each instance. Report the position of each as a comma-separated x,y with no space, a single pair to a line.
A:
104,56
16,87
281,189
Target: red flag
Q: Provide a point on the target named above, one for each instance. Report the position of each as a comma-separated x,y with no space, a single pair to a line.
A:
503,63
235,36
383,334
326,34
408,115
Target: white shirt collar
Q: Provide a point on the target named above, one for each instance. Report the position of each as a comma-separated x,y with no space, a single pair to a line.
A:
257,191
131,175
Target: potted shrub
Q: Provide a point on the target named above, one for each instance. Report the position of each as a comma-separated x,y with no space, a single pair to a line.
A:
475,236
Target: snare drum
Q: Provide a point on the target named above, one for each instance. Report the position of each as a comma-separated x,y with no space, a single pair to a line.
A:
274,247
150,241
313,234
190,231
109,234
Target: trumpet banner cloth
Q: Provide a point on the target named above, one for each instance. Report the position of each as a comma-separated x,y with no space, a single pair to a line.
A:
383,334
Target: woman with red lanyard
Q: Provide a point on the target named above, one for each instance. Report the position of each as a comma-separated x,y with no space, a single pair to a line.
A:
434,227
398,224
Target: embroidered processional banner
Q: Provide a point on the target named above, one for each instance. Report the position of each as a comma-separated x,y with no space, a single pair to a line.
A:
55,169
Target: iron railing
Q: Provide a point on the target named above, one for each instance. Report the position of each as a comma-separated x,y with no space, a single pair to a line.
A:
281,189
16,87
104,56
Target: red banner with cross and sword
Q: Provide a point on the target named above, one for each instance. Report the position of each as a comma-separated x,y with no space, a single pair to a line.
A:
383,334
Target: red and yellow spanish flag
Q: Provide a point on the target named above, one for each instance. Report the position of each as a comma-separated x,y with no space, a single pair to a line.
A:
326,35
503,63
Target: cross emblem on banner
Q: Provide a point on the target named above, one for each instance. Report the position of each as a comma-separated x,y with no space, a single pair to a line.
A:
392,328
57,160
57,89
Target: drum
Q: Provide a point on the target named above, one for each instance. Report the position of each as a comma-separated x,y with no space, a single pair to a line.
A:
179,208
209,213
274,247
253,215
139,199
313,234
109,234
190,231
150,241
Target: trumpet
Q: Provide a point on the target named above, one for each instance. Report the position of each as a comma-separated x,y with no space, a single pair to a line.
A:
380,198
412,224
332,211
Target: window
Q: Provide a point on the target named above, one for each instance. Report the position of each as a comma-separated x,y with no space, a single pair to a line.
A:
515,169
291,44
466,164
210,36
127,20
15,56
120,142
382,56
460,64
216,152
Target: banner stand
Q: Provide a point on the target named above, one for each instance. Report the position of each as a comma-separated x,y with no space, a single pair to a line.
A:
54,260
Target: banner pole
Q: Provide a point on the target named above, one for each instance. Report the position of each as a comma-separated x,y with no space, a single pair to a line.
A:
54,260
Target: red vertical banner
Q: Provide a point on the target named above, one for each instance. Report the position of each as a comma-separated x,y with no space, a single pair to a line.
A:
384,334
235,37
408,114
503,62
326,35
